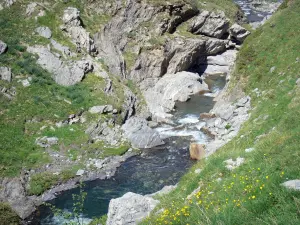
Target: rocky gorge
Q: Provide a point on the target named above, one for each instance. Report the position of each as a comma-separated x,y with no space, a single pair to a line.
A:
172,63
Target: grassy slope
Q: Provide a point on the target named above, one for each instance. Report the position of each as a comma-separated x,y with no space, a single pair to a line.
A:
252,194
43,100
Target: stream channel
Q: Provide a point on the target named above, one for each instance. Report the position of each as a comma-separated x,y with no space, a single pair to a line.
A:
154,168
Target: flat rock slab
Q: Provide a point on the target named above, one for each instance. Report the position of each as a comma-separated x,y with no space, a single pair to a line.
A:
130,209
292,184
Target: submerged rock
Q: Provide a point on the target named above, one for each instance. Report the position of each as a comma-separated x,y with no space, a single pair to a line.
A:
140,134
130,209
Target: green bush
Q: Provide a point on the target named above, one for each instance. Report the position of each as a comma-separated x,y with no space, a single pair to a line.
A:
41,182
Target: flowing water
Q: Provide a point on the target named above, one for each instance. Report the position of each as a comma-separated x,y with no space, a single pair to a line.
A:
154,168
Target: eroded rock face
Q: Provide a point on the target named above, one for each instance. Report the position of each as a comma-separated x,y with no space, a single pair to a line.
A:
177,55
140,135
65,73
3,47
130,209
171,88
210,24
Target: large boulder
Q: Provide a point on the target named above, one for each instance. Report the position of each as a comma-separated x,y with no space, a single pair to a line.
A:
3,47
210,24
171,88
5,74
65,72
13,192
238,33
140,134
130,209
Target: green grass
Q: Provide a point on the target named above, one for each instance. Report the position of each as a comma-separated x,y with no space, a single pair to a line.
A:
7,216
252,194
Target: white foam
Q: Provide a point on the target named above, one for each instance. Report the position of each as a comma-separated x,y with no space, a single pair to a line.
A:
189,119
60,219
196,135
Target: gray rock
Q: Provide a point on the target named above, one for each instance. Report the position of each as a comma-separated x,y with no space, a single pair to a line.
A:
64,72
63,49
139,134
73,27
13,192
272,69
292,184
46,142
44,32
101,109
238,33
210,23
233,164
130,209
80,172
25,83
71,17
31,8
171,88
5,74
6,4
3,47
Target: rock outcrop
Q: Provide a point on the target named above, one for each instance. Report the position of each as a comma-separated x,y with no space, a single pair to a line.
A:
63,72
210,24
238,33
73,27
5,74
171,88
3,47
140,135
130,209
13,191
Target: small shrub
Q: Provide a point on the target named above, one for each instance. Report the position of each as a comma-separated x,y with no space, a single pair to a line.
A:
42,182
